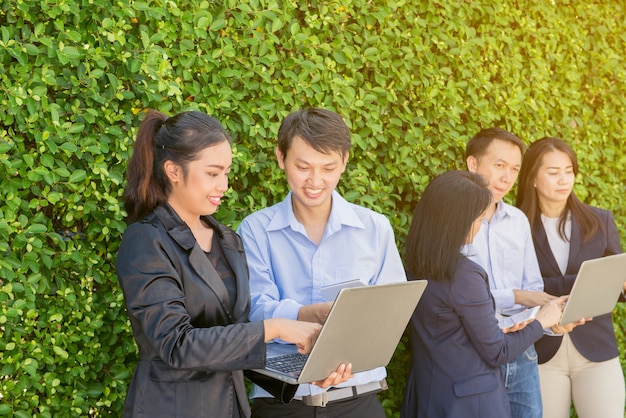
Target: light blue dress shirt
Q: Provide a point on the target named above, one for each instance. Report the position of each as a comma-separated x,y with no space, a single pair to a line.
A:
504,248
287,269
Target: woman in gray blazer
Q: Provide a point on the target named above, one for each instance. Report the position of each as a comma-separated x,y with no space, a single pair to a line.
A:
457,345
185,278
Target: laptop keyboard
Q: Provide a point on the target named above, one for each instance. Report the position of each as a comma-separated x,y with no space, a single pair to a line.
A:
287,363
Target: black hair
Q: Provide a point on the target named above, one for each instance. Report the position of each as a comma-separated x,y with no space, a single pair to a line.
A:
528,201
442,222
324,130
178,139
477,146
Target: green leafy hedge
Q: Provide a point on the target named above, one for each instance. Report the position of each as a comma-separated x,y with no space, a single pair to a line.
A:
414,79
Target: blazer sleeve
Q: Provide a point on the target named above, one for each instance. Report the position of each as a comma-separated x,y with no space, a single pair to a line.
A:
614,245
157,306
475,308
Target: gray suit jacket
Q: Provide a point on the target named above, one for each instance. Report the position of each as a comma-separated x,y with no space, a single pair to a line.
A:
192,342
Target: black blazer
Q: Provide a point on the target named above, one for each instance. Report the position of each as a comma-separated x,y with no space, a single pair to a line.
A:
192,342
596,339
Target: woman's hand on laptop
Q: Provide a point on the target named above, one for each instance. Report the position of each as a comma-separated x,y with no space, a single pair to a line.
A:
531,298
342,374
550,313
302,334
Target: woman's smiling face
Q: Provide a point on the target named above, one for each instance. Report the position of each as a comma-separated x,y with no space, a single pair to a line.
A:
199,191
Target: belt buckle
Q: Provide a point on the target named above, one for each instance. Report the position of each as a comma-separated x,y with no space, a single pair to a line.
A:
324,399
321,399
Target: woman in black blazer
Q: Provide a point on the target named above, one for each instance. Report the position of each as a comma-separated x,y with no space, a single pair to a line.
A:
185,278
581,365
457,345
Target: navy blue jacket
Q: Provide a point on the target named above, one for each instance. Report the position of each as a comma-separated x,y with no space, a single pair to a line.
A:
458,348
596,339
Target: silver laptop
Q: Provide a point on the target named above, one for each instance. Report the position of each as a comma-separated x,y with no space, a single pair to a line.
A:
363,327
596,288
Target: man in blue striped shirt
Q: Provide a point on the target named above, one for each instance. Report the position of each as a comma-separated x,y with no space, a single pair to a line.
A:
315,238
504,248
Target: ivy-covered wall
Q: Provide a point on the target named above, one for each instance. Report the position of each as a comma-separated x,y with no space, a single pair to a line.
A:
414,79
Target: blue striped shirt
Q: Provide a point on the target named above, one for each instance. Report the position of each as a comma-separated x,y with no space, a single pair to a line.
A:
287,269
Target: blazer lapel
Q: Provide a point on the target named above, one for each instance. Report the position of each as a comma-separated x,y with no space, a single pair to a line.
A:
575,243
180,232
542,247
201,264
240,270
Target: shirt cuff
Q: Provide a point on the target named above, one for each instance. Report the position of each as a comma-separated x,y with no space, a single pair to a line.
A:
288,309
504,298
550,333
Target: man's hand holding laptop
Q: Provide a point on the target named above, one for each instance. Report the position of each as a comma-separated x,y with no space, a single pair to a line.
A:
342,374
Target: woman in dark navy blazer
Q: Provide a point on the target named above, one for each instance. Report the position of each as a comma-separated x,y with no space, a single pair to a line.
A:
581,365
457,345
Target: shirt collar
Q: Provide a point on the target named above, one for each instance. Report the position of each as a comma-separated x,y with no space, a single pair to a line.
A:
502,210
341,213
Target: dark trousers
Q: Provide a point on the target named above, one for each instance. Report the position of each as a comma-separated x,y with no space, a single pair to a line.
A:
366,406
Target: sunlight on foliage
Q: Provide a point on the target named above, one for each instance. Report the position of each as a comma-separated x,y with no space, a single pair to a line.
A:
413,79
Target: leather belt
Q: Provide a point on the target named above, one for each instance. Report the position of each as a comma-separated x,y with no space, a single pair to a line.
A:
340,394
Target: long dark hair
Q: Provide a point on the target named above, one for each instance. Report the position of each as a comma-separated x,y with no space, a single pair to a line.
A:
442,222
528,201
178,139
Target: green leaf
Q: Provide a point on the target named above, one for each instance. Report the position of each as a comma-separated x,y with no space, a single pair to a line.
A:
217,24
71,52
76,128
60,352
69,147
5,147
78,176
30,366
36,228
31,49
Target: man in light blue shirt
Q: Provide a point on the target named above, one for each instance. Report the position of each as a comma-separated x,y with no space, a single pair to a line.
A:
312,239
504,248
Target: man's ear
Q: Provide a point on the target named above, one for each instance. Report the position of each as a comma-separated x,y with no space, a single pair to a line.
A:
281,159
173,171
472,163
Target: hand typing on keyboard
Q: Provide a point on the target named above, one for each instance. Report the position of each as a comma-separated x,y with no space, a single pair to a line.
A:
302,334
